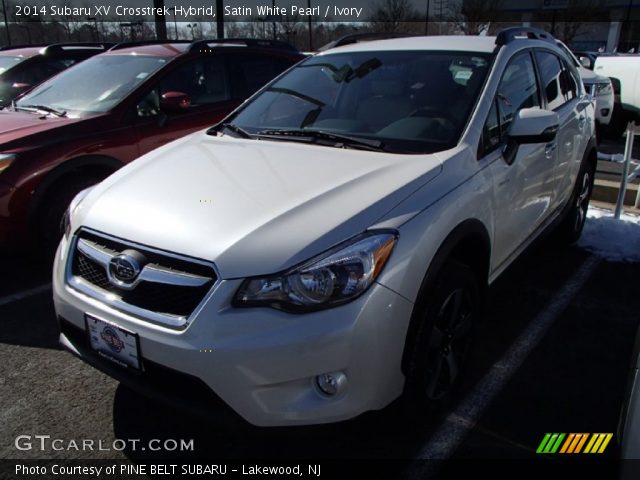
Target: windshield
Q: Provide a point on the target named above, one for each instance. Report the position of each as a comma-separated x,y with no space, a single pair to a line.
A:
7,62
411,102
95,85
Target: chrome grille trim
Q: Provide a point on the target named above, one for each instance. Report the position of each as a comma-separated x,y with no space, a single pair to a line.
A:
150,273
154,274
109,299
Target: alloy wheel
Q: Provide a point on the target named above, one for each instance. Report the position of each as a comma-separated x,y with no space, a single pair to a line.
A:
582,202
448,343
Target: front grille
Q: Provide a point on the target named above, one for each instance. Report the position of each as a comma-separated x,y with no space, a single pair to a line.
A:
93,273
152,296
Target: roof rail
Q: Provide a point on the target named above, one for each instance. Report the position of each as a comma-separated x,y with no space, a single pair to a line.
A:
514,33
362,37
15,47
59,47
249,42
140,43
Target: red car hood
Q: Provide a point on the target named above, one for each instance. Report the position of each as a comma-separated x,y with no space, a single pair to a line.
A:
17,125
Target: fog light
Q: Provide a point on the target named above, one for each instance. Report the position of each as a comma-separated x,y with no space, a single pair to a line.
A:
331,383
604,112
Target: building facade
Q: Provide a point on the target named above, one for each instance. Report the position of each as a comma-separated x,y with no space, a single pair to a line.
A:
605,25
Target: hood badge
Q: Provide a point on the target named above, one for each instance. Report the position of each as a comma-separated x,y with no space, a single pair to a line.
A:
125,268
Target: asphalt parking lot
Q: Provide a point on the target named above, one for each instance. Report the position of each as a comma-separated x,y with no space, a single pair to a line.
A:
552,356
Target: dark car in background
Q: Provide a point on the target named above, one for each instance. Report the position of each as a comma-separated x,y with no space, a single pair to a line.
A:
23,67
77,128
587,59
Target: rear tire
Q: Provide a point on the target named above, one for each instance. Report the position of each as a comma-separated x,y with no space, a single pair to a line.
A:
570,229
447,326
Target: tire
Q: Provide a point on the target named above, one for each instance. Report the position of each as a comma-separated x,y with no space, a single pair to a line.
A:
601,132
53,207
448,320
570,229
618,122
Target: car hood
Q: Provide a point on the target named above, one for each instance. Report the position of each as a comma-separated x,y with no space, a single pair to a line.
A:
251,206
15,126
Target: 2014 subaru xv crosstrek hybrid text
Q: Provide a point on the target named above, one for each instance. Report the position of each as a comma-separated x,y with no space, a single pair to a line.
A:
326,248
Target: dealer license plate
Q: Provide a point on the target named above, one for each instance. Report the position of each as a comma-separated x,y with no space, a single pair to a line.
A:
114,343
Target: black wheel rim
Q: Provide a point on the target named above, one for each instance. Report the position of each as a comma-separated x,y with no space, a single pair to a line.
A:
448,343
582,202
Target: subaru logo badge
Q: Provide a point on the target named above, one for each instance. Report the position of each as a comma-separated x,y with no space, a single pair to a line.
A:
124,269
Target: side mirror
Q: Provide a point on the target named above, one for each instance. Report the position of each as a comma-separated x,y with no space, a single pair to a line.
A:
530,125
534,125
586,62
174,102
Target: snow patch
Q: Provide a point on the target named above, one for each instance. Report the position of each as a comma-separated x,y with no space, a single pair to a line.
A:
611,239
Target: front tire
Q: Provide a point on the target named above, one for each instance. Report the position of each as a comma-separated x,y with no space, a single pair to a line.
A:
618,123
447,319
53,208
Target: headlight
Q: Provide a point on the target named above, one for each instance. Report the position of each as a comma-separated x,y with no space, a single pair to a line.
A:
333,278
5,160
65,224
602,89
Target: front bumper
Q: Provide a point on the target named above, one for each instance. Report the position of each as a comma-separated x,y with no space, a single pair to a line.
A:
604,108
262,362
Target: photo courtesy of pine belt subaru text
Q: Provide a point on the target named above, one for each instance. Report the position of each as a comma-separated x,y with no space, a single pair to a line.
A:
77,128
326,248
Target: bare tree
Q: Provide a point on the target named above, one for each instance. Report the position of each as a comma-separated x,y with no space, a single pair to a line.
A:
473,17
586,10
291,29
394,16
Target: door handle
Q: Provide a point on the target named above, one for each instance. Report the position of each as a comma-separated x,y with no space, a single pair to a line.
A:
549,149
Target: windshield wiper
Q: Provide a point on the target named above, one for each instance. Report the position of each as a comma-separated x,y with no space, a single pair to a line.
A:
42,108
294,93
241,132
335,139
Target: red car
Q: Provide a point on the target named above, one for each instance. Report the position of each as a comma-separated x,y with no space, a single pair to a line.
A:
80,126
23,67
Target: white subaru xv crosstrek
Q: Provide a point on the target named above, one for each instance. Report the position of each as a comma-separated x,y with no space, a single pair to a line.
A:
327,247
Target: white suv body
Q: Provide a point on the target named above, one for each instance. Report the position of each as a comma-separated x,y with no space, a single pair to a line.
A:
304,278
624,72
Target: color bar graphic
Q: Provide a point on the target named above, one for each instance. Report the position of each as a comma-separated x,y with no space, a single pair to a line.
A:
550,443
574,443
598,442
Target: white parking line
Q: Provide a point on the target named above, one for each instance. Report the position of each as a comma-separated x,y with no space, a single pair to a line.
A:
16,297
453,430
